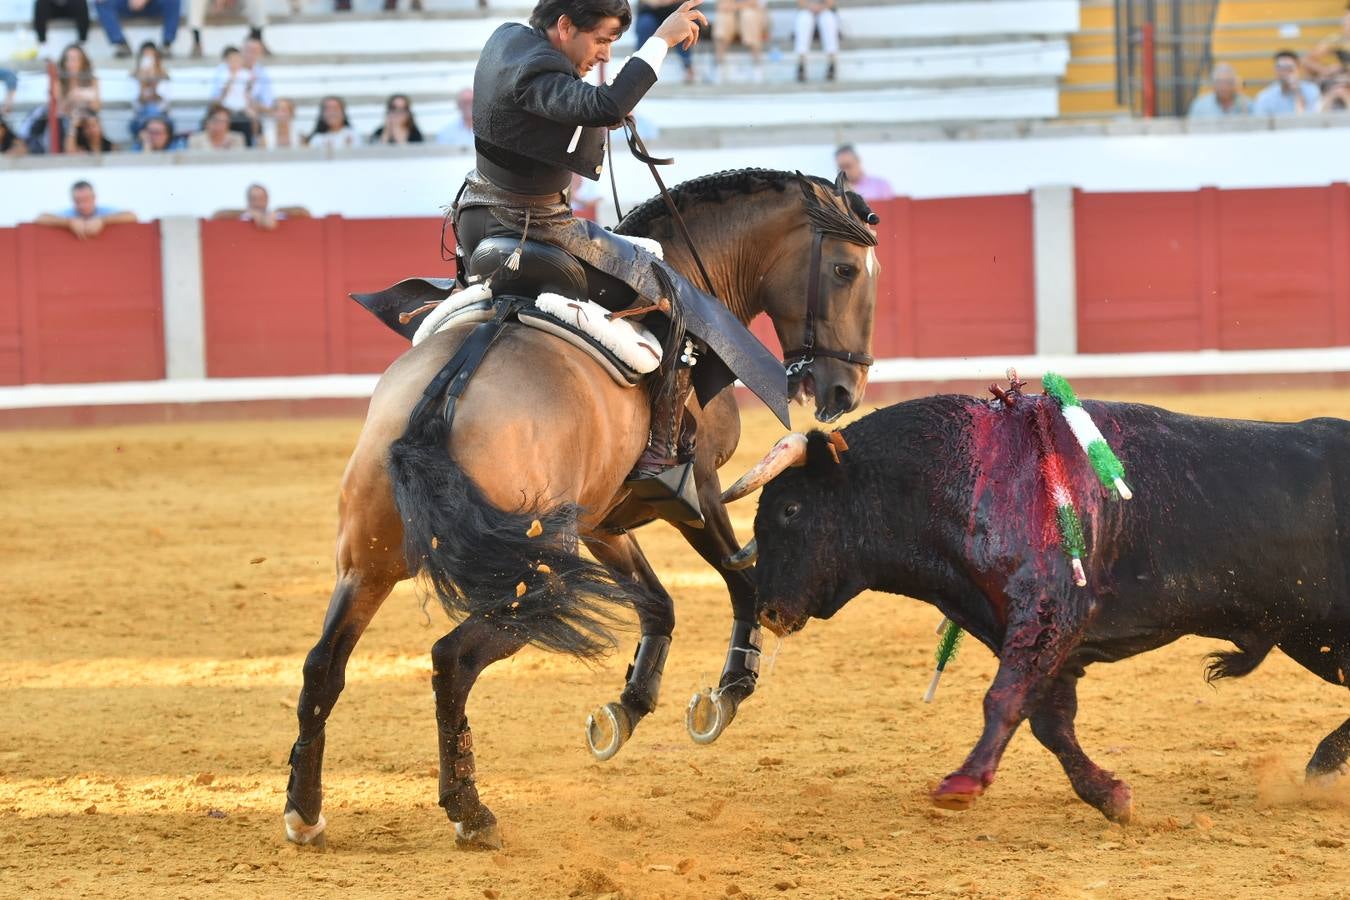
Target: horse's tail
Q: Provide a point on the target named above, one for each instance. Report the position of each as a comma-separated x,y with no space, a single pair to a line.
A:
518,569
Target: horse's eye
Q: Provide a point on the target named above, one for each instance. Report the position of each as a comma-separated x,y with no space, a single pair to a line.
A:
845,272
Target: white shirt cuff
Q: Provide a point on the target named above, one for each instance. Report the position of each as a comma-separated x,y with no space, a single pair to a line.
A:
653,53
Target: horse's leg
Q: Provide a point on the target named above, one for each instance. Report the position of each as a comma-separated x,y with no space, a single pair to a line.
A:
612,724
369,563
356,598
457,660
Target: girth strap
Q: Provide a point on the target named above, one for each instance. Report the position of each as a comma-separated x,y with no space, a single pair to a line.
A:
453,378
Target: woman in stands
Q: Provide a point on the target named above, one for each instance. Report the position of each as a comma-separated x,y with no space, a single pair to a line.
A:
333,129
77,86
87,136
152,87
399,125
278,129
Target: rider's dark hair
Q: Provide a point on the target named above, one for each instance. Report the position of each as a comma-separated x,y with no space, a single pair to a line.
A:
585,14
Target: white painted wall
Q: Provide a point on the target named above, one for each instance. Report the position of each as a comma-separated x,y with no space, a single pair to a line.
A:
418,182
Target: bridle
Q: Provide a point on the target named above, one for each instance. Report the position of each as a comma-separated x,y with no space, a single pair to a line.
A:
799,359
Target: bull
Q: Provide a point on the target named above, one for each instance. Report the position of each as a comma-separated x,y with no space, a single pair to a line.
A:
1239,531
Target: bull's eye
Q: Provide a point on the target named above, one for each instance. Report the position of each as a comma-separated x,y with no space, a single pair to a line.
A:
790,511
845,272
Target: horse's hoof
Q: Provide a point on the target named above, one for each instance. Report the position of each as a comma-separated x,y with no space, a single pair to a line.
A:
305,835
957,792
486,836
709,714
607,729
1119,804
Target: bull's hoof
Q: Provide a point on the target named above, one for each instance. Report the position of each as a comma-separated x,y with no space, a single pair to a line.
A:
303,834
957,792
708,715
607,729
1118,806
479,832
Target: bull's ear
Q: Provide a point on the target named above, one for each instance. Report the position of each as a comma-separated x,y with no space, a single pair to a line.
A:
824,453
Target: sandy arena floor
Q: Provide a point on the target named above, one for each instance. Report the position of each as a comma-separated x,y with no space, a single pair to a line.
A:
162,584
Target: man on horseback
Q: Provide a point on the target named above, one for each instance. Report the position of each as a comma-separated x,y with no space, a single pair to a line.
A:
535,123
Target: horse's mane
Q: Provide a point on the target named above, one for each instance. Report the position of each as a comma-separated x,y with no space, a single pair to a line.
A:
720,187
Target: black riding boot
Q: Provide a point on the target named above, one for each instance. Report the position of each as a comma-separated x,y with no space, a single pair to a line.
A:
664,475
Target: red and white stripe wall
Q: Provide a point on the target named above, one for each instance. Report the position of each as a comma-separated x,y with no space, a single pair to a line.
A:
1051,271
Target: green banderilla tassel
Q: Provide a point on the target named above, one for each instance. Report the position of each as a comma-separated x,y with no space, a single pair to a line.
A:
1110,471
1071,540
946,652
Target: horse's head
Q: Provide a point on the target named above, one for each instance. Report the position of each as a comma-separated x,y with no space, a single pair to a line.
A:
823,301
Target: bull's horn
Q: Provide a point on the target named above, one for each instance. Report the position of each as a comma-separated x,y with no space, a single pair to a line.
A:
790,451
743,558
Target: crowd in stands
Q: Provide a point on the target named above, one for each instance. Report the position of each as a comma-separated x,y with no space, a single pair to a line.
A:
1316,82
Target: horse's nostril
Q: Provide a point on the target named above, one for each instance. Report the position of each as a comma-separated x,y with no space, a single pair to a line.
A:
841,399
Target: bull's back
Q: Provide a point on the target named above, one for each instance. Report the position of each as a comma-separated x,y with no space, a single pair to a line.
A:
1230,518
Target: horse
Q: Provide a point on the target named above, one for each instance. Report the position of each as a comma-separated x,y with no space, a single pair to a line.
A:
490,509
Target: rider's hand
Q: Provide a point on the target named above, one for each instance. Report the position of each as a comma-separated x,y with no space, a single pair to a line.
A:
682,26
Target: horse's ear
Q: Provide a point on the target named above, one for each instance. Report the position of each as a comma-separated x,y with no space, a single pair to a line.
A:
841,184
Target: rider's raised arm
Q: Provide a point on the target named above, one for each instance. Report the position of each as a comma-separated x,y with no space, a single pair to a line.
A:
547,88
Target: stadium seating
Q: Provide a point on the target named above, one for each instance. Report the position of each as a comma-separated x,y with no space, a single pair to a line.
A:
901,62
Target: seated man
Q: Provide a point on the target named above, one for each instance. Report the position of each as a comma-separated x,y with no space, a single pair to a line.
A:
85,218
1225,99
816,16
110,13
1287,95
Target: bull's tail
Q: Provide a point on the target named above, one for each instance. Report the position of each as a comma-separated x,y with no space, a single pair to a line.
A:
1236,663
519,569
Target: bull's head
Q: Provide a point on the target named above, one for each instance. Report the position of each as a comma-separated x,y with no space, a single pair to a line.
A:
804,532
823,302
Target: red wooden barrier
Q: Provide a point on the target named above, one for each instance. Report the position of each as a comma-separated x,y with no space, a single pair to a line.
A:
80,311
277,302
1228,270
957,277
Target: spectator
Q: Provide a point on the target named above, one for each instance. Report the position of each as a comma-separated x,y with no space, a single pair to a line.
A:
254,10
399,125
110,14
46,10
650,15
1226,99
216,133
152,87
813,16
11,82
86,136
77,87
869,187
279,132
230,87
156,136
332,129
258,210
747,20
459,133
1287,94
1336,97
77,95
260,94
10,143
392,5
85,218
1331,56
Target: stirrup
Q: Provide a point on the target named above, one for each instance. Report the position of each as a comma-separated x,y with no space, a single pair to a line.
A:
672,492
